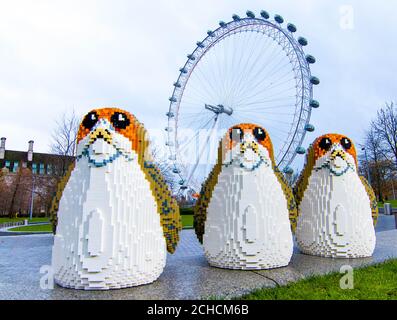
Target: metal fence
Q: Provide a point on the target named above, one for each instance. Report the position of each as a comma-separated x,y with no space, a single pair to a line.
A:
12,224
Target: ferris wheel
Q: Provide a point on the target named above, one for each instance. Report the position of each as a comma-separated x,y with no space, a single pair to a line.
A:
251,69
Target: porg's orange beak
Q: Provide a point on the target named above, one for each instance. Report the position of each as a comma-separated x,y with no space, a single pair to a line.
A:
100,133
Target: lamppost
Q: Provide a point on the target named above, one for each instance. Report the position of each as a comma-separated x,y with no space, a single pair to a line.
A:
31,198
366,159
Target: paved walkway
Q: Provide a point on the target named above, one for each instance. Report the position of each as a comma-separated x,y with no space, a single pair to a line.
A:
187,275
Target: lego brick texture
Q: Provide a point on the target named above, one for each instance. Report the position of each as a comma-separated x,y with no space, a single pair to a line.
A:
242,215
116,217
336,207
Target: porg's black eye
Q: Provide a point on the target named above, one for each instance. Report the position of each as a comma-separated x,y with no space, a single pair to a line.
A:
120,120
236,134
325,144
346,143
90,120
259,134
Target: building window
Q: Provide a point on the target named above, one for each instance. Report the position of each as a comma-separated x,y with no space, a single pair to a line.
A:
8,164
41,168
24,164
49,169
15,167
34,168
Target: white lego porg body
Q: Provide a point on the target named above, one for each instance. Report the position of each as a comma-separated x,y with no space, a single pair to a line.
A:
335,213
109,234
247,223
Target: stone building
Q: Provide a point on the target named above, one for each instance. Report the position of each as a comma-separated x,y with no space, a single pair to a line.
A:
26,176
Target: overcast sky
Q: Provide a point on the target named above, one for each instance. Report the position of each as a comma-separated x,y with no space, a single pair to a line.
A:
59,55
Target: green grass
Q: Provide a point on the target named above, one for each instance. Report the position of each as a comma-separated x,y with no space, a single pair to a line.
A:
4,220
33,228
186,211
392,202
187,221
378,282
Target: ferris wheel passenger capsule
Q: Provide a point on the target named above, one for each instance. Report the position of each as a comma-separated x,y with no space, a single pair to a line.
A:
265,14
236,17
183,70
177,84
222,24
170,114
314,80
279,19
310,59
288,170
314,104
176,171
200,44
191,57
250,14
172,99
302,41
291,27
309,128
300,150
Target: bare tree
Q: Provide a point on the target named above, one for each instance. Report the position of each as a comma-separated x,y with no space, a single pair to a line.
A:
65,134
164,166
63,141
292,178
373,160
385,127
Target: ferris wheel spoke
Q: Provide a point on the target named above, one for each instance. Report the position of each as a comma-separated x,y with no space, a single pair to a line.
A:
271,86
272,119
268,101
239,66
204,82
267,76
246,70
268,92
202,150
260,54
202,126
269,62
261,108
249,119
190,120
271,113
259,79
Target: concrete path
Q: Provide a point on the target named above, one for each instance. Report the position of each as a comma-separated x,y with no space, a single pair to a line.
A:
187,274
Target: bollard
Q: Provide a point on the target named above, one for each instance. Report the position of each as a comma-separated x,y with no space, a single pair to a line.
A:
26,222
395,217
388,209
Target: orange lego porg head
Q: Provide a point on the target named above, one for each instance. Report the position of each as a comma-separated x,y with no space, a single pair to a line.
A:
110,133
247,145
335,152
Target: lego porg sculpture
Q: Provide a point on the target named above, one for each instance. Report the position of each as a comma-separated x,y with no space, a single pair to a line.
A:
115,215
337,208
242,214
